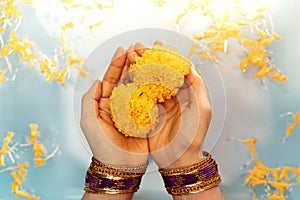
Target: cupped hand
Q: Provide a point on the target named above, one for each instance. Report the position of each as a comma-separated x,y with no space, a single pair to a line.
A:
107,144
186,119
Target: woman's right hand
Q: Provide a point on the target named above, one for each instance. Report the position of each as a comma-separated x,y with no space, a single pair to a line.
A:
108,145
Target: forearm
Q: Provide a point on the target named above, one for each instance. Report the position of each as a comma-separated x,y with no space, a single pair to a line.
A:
211,194
91,196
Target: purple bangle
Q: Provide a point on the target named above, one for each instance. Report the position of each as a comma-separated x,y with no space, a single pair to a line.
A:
192,179
98,184
104,179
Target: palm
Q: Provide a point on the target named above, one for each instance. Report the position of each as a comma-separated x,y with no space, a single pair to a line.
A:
185,125
129,144
107,144
172,113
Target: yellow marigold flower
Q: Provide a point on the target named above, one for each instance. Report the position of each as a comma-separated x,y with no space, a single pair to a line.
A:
157,75
81,72
72,58
160,3
142,101
5,147
28,1
292,126
39,161
92,26
2,78
60,76
119,106
165,56
38,149
251,143
19,178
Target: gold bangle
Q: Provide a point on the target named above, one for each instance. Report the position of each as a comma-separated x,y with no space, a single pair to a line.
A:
137,169
196,178
193,189
104,179
188,169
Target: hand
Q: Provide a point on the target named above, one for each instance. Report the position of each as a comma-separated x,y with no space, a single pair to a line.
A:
187,117
107,144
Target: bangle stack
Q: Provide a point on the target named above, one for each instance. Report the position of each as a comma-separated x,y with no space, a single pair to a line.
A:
192,179
104,179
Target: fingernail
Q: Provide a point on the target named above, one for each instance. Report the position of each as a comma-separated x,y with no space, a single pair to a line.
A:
120,50
158,42
130,48
139,45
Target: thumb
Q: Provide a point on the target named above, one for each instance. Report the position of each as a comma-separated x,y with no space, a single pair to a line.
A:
199,88
89,104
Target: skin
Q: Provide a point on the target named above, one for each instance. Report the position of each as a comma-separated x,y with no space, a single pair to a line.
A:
178,142
107,144
191,109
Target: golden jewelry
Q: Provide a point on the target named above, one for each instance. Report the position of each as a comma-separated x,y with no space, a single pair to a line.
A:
196,178
105,179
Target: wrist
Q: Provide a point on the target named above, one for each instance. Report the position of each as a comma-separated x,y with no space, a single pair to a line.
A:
119,158
92,196
188,158
104,179
199,177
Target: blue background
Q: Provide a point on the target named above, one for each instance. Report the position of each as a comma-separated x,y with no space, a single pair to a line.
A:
252,111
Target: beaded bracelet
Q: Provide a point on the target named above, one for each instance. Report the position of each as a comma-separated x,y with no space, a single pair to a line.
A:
192,179
104,179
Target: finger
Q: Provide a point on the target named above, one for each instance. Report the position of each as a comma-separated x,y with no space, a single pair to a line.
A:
89,104
137,50
198,87
169,104
131,54
125,69
104,111
104,105
194,80
199,93
113,72
140,48
184,96
158,42
127,62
